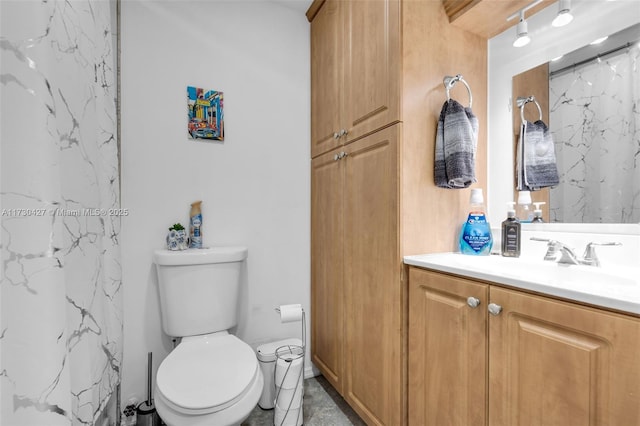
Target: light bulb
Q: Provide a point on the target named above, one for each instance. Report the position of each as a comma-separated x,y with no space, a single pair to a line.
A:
564,14
563,18
523,40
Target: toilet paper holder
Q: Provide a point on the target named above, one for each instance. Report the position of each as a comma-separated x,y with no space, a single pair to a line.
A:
294,313
289,372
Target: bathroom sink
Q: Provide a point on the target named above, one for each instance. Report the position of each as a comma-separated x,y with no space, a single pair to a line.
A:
543,271
611,287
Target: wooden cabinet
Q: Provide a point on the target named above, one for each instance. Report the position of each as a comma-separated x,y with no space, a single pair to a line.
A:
327,38
357,292
355,71
372,281
550,362
556,363
372,66
327,267
376,92
447,350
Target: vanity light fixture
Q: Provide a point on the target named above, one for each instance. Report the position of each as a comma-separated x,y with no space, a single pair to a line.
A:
564,14
522,38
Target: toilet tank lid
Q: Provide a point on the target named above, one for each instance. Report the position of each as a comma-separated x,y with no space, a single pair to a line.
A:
200,256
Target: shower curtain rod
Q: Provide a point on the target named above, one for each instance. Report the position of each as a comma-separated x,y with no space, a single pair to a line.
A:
586,61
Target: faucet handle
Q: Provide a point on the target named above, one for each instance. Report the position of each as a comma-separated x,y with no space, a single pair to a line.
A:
590,257
558,251
553,247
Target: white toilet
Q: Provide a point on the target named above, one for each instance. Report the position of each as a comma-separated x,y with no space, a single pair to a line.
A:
211,377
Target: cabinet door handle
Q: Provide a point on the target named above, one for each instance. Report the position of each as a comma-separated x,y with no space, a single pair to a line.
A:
473,302
494,309
339,156
336,135
343,132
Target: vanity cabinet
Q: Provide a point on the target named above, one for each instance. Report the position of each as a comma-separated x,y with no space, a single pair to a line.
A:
355,71
447,350
550,362
558,363
356,293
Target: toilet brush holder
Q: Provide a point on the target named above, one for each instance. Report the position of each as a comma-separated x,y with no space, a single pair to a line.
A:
146,412
147,415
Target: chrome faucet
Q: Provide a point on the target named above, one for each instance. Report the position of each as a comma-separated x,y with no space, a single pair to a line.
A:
561,253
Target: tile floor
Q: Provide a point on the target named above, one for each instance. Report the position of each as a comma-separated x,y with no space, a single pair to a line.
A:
322,406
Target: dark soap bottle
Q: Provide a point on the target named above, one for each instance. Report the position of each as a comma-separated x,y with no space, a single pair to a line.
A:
511,235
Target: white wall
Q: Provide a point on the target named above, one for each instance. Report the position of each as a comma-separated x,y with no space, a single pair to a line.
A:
592,19
255,185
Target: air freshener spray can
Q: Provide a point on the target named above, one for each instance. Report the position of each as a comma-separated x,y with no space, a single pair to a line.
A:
195,225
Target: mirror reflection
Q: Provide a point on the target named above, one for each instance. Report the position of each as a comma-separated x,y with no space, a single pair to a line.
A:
590,97
505,62
594,117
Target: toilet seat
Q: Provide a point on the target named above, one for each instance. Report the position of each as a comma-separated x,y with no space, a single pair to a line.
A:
207,373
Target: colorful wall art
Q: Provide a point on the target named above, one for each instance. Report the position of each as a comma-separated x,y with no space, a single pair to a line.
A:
206,114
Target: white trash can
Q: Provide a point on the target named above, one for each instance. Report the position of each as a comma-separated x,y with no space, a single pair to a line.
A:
267,360
289,377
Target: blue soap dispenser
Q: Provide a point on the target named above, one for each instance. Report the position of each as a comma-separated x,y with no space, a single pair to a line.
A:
475,237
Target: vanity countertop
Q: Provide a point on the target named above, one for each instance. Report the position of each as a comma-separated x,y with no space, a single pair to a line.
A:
615,288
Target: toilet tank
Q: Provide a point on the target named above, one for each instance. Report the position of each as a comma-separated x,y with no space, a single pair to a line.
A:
199,289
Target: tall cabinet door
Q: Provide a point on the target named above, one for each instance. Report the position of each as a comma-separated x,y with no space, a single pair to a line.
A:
373,65
327,40
557,364
447,350
327,266
373,298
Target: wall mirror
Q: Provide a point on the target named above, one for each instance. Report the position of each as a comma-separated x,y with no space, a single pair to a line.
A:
592,111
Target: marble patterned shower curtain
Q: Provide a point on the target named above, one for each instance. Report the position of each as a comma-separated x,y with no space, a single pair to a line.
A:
61,303
595,122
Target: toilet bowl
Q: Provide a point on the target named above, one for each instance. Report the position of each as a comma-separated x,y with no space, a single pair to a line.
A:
208,380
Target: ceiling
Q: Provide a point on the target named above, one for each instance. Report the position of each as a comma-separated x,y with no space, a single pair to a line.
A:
483,17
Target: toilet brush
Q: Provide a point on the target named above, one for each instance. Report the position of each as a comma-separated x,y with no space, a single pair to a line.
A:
146,412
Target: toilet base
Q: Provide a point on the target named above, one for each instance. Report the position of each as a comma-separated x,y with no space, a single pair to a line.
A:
230,416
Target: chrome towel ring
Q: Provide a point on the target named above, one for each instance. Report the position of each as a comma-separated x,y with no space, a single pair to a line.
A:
522,101
450,81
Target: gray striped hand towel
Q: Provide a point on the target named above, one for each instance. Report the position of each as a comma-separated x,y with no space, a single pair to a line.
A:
456,143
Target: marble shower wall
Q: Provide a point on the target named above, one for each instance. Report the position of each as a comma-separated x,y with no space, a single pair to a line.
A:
61,300
595,121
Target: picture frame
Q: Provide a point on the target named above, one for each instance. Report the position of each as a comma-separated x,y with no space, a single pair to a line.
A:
205,114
